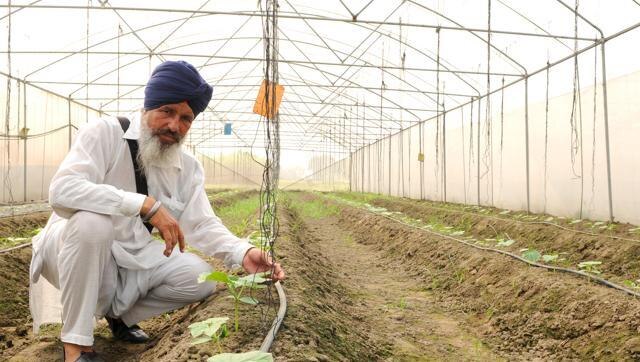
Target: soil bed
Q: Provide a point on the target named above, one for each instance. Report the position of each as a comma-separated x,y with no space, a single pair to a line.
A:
521,312
16,339
620,258
362,287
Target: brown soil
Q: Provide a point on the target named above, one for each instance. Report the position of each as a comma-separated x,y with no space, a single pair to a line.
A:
519,311
226,199
349,303
362,287
620,258
16,339
14,276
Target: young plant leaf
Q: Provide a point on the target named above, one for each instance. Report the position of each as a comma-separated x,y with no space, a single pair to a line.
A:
549,258
201,339
249,300
215,276
209,327
253,356
251,281
532,255
585,264
508,242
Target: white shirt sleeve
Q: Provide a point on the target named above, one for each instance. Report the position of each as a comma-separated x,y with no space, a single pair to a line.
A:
77,185
203,229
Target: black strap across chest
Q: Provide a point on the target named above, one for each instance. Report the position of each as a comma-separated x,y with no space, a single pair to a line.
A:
141,179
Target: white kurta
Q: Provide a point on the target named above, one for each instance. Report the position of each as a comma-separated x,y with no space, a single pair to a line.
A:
97,175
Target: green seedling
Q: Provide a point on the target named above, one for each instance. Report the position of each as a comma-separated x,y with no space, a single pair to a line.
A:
259,241
252,356
590,266
531,255
550,258
212,329
632,284
505,242
402,303
236,286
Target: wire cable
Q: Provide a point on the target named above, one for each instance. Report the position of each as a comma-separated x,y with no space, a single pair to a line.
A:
517,257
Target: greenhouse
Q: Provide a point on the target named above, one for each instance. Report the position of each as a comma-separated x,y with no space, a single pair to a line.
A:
347,180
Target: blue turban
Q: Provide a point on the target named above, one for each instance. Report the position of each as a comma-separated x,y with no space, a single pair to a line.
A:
175,82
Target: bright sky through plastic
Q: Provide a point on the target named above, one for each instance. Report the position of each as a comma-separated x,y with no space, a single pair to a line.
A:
327,67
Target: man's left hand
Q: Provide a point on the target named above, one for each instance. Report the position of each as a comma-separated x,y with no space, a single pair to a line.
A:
256,261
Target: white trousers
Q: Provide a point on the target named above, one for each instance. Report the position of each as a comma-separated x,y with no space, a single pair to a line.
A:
77,258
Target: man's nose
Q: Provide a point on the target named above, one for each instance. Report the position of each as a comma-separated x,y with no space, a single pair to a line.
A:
174,123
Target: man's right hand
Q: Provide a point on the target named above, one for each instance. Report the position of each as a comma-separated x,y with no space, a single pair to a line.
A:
167,225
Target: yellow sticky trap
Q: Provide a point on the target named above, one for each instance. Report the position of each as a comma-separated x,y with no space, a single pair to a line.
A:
421,157
261,107
23,133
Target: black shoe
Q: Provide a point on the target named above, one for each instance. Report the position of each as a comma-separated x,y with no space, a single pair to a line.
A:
89,357
133,334
84,357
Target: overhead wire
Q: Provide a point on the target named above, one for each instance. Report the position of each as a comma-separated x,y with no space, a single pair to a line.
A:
269,222
593,131
7,120
436,169
546,139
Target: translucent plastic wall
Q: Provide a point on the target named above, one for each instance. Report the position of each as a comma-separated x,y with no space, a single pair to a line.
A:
330,177
475,156
40,129
238,169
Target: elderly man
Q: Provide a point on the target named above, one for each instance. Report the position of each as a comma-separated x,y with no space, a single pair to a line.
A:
97,247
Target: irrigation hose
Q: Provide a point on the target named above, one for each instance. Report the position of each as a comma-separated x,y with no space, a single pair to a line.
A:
271,335
4,251
465,212
517,257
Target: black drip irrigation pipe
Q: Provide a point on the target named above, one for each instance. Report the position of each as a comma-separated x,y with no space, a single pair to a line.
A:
531,222
282,310
517,257
4,251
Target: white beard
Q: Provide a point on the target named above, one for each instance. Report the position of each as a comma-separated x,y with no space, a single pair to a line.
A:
151,151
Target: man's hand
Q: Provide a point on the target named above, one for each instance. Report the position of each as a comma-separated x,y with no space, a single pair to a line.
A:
168,227
256,261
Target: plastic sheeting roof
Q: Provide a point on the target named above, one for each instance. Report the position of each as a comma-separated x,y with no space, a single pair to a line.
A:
402,60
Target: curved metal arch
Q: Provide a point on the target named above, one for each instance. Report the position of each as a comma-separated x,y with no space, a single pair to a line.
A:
314,17
104,42
226,39
343,109
474,34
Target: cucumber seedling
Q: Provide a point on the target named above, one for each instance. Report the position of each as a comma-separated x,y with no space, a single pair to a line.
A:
236,286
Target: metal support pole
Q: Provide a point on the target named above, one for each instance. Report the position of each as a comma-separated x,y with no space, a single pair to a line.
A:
389,165
526,133
478,153
420,134
350,169
606,129
444,153
362,155
24,114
